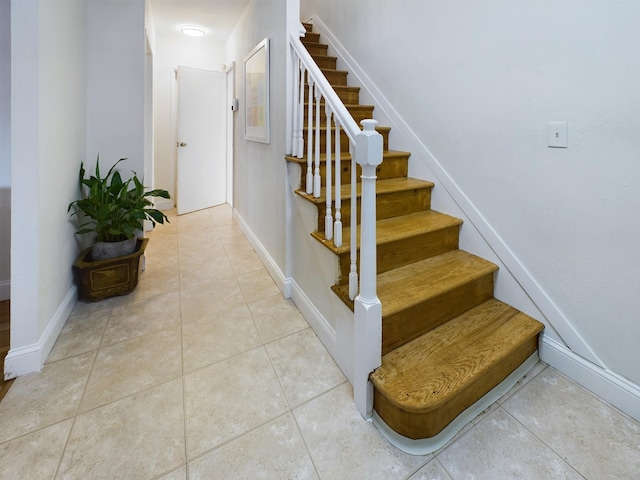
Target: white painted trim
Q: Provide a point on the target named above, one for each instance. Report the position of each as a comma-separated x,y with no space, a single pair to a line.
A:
614,389
474,218
314,317
5,290
31,358
163,204
430,445
268,261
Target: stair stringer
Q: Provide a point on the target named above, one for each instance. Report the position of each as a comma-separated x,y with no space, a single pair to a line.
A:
313,271
514,285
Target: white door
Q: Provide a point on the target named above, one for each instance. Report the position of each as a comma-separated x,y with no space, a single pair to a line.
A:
201,170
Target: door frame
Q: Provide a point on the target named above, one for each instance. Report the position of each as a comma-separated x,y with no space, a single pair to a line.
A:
230,70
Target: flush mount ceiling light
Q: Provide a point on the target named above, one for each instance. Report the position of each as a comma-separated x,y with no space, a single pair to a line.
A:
192,30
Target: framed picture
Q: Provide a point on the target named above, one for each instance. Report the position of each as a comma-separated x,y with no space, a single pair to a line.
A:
256,93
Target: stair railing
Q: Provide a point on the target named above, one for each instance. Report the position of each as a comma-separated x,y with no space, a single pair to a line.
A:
366,147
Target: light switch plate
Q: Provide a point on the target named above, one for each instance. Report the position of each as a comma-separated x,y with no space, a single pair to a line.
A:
558,133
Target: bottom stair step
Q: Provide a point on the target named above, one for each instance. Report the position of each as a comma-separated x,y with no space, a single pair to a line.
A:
425,384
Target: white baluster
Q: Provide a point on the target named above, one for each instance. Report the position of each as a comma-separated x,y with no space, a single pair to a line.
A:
337,229
328,218
309,188
296,97
316,175
300,137
353,269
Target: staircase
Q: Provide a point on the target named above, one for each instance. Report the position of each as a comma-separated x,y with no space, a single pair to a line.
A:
446,341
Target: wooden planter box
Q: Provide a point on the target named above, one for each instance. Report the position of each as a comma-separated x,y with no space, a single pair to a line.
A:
108,278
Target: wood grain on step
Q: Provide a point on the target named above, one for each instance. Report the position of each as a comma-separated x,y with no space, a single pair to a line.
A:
422,386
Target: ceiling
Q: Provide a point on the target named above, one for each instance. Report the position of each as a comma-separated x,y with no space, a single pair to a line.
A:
218,17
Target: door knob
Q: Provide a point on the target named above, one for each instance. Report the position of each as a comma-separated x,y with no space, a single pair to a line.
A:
182,144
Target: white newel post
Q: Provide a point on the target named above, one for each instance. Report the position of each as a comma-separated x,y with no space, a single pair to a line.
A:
367,306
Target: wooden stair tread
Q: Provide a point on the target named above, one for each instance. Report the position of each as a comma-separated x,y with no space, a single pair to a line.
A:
311,43
426,372
333,70
346,156
411,284
395,228
382,187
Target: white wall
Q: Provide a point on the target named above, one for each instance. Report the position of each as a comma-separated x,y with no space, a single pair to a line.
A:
259,169
170,52
48,140
477,83
5,149
116,47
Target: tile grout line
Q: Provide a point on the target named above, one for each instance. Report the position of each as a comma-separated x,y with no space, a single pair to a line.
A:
182,377
546,445
84,391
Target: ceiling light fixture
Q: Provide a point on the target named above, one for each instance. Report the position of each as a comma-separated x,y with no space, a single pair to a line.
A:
192,30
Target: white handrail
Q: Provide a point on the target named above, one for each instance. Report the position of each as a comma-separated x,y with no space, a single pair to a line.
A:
331,98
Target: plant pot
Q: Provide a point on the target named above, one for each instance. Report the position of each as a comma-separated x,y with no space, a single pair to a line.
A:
106,250
102,279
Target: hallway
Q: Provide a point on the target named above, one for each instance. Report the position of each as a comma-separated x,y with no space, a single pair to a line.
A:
206,372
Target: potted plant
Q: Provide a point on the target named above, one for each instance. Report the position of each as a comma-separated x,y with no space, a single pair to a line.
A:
114,210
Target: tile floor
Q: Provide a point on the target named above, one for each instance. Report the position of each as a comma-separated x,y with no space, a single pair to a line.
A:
205,371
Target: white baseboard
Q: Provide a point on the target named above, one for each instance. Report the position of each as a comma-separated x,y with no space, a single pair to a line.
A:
614,389
29,359
5,290
163,204
316,320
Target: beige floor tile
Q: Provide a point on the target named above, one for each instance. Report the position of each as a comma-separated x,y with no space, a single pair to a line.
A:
194,258
245,262
179,474
230,398
194,220
276,317
273,451
132,366
343,445
41,399
257,285
35,455
142,317
213,338
162,244
201,240
597,440
206,273
216,297
222,216
232,232
500,447
304,366
152,282
84,307
432,471
234,244
138,437
160,270
80,334
537,369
